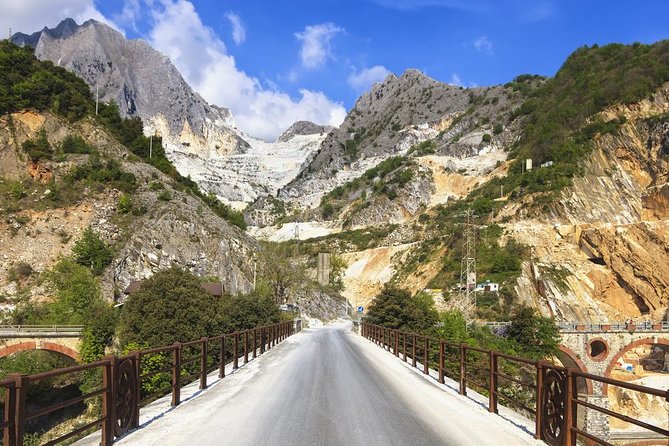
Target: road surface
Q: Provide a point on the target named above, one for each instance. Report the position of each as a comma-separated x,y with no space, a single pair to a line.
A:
328,386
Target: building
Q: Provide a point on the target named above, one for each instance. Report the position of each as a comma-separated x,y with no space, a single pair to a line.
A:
487,287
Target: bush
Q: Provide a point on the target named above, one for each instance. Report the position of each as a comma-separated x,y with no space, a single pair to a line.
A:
92,252
19,272
38,149
164,195
124,204
537,336
486,138
395,308
75,144
171,306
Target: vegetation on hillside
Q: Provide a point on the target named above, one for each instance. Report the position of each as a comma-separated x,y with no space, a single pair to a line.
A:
386,178
27,83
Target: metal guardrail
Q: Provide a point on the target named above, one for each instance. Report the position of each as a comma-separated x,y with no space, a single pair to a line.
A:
554,400
599,327
41,328
121,394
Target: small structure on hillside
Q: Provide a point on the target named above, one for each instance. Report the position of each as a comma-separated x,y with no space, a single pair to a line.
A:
488,287
323,268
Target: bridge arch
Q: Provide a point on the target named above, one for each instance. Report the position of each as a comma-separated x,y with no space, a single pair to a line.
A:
624,350
10,349
569,358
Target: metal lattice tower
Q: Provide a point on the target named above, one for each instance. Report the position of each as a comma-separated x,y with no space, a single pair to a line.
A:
467,295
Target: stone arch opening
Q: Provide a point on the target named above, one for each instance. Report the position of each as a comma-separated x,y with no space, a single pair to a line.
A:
618,359
645,362
45,345
569,358
597,349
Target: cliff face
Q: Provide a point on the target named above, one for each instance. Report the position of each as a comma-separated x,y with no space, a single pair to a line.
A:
180,230
607,235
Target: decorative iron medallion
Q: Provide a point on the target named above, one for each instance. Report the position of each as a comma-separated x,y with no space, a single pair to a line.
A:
553,407
126,397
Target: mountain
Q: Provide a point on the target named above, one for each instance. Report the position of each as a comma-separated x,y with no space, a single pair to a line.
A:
392,117
199,138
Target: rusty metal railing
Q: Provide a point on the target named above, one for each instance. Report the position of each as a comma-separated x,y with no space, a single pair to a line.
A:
551,391
120,393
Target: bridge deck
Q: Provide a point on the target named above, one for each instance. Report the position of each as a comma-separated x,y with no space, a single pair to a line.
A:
328,387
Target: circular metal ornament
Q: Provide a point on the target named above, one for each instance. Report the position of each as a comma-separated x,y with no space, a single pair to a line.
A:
553,407
126,397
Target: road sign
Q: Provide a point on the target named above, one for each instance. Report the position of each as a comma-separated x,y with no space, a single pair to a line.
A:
361,309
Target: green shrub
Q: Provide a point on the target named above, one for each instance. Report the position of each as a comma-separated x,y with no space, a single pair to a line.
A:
486,138
19,272
497,129
124,204
92,252
38,149
170,306
75,144
164,195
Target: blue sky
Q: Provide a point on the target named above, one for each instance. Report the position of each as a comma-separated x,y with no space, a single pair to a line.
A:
313,58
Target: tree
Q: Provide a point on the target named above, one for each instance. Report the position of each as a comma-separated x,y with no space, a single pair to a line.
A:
536,336
171,306
248,311
395,308
92,252
280,272
77,294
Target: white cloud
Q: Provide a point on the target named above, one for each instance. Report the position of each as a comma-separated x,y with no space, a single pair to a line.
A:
317,44
202,59
367,77
483,45
477,6
455,80
130,13
238,30
30,16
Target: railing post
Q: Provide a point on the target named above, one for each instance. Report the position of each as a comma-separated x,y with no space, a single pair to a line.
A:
539,397
397,343
176,374
570,415
441,362
235,361
138,388
255,342
221,363
413,354
21,383
463,369
246,346
108,409
404,345
203,363
9,434
492,383
426,360
263,339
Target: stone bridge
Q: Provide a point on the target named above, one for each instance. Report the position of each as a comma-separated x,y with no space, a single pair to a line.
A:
56,338
598,348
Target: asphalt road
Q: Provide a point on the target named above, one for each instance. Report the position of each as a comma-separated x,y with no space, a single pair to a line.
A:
327,386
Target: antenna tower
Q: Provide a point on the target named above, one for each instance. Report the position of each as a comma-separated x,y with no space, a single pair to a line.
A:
467,296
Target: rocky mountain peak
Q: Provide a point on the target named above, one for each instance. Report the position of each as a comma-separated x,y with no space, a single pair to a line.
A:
303,128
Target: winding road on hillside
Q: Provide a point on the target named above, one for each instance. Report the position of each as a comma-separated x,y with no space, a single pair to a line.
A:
328,386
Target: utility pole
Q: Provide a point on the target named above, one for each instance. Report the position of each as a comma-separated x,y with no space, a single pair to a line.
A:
97,95
151,153
255,271
467,295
